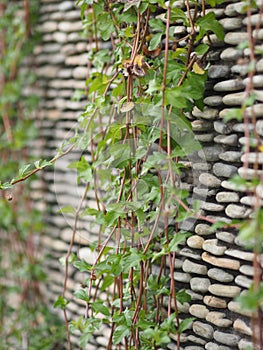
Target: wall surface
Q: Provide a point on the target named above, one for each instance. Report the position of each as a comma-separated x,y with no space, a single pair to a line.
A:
214,268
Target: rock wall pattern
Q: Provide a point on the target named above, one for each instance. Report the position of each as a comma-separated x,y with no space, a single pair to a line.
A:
214,268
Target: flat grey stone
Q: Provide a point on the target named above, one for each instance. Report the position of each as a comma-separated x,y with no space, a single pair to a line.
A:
259,127
243,281
225,236
226,338
230,156
210,153
199,311
229,85
232,186
210,245
204,192
249,174
245,345
182,277
247,270
253,157
222,290
201,125
220,275
196,340
208,206
236,307
231,23
203,229
213,101
191,267
235,211
259,65
248,256
203,329
195,242
221,262
227,197
199,284
215,302
214,346
236,38
218,319
201,166
222,128
218,71
257,81
230,140
193,295
204,137
207,113
189,253
254,20
209,180
224,170
231,54
243,327
241,127
251,201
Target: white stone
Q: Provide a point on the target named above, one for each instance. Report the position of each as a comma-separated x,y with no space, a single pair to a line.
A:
199,311
227,197
210,245
236,211
199,284
220,275
203,329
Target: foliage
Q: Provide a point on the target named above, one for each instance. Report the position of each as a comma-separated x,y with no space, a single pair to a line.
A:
25,320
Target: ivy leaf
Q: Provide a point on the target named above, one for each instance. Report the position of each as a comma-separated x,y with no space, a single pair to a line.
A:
98,307
82,294
61,303
179,238
209,23
82,266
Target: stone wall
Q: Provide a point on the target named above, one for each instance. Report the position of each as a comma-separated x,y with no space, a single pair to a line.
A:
214,268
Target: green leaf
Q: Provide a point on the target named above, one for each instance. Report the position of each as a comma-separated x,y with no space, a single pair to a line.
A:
155,41
209,23
119,333
184,325
179,238
234,113
98,307
67,210
61,303
82,294
157,25
82,266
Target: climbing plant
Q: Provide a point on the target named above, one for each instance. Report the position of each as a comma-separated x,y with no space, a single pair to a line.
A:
25,321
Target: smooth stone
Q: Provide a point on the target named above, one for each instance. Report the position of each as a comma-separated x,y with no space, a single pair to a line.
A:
259,127
253,20
240,69
204,137
215,218
248,256
193,347
203,329
249,174
243,281
210,245
193,339
226,237
257,110
251,201
229,85
199,284
191,267
220,275
236,307
259,191
207,113
183,307
70,26
235,211
241,127
257,81
230,156
241,326
210,153
203,229
245,345
259,65
232,186
231,54
218,71
221,262
209,180
218,319
201,166
199,311
213,101
247,270
224,170
227,197
231,23
222,290
195,242
253,157
189,253
222,128
182,277
214,346
212,206
230,140
215,302
204,192
201,125
235,38
226,338
193,295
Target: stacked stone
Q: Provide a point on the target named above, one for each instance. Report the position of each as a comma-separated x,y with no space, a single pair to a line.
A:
215,267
